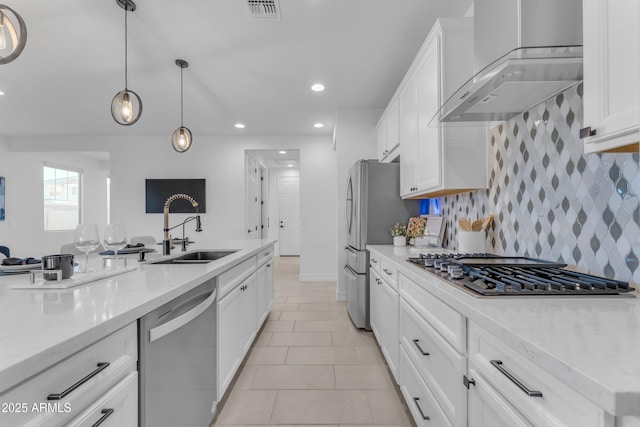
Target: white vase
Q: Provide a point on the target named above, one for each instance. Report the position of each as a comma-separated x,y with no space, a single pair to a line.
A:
399,240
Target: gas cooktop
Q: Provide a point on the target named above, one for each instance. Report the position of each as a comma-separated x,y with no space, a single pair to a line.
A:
491,275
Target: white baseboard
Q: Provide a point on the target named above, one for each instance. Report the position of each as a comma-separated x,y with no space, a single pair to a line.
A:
341,296
317,278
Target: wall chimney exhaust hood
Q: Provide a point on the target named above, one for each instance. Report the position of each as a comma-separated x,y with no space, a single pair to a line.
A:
526,51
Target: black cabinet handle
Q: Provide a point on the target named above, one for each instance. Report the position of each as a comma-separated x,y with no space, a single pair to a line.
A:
387,272
498,365
424,417
57,396
424,353
586,132
106,413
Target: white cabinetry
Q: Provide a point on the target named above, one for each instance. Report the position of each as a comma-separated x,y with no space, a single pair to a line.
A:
245,298
425,321
437,160
384,309
101,377
236,319
388,133
264,290
611,70
511,390
237,329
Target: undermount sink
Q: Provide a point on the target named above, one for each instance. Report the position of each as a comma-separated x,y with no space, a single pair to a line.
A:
200,257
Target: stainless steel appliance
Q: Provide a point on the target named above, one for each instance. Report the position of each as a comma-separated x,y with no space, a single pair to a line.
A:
526,51
177,351
373,206
487,275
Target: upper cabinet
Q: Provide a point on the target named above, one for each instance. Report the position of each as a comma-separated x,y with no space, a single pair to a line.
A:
436,159
611,75
388,133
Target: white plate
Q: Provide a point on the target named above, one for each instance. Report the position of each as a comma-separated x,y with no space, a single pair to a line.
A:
21,267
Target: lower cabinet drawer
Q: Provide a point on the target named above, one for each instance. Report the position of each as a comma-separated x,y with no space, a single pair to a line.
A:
61,392
487,408
264,255
389,273
441,366
446,320
421,403
231,278
541,398
116,408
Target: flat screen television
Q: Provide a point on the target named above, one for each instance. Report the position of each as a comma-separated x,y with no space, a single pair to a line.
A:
157,191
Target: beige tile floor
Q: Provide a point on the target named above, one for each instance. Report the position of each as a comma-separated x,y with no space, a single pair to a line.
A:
310,366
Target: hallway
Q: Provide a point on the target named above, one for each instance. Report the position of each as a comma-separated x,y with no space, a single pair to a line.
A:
311,366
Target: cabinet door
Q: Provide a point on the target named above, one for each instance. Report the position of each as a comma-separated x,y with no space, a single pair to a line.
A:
389,303
611,70
374,304
270,285
408,110
228,339
382,137
393,126
247,310
429,150
487,408
261,295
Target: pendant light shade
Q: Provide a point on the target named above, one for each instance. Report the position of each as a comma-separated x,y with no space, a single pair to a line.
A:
126,106
13,34
181,139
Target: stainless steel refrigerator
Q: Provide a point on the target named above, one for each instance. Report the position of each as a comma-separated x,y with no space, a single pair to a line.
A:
373,206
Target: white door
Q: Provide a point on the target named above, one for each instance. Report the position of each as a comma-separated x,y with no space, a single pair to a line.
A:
252,198
289,221
264,203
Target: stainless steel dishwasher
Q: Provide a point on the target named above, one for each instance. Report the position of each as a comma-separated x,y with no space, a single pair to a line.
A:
177,351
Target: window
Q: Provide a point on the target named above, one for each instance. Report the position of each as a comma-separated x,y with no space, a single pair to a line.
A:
61,186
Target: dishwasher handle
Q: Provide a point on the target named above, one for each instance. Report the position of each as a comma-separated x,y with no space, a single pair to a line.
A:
170,326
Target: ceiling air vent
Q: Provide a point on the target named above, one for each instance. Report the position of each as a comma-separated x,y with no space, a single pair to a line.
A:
264,10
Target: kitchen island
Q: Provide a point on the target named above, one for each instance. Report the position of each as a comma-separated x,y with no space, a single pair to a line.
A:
39,329
579,353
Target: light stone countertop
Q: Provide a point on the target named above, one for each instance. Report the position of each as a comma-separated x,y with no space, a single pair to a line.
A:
592,344
39,328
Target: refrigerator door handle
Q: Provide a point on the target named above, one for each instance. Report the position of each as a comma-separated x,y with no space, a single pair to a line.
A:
350,273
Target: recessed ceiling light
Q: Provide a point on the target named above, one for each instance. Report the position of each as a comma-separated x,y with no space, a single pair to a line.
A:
282,152
290,166
239,125
1,93
318,125
317,87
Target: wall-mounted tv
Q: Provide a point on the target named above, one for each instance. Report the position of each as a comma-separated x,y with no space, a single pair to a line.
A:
157,191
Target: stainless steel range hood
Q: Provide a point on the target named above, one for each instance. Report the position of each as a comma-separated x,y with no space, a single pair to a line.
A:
525,51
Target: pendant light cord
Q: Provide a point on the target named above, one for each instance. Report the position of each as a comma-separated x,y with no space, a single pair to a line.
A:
181,98
125,49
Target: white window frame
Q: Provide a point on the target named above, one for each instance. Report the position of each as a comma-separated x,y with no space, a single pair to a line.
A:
67,168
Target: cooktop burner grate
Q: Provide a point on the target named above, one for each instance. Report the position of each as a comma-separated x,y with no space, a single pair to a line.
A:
493,275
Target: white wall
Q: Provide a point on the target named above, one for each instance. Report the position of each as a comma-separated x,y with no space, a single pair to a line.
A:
220,160
355,138
23,230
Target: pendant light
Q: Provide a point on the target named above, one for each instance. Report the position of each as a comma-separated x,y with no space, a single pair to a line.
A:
126,106
181,139
13,34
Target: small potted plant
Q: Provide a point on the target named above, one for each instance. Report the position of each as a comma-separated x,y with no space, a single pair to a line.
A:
399,233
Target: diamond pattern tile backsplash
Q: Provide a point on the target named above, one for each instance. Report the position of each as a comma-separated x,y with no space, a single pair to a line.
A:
550,200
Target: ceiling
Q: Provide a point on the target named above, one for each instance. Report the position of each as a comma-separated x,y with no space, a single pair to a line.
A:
241,70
